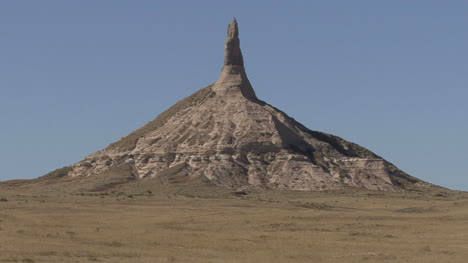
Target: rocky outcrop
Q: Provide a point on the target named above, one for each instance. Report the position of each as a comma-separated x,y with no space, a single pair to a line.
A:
233,54
233,78
226,134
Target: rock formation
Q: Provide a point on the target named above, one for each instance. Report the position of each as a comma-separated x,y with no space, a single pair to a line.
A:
225,133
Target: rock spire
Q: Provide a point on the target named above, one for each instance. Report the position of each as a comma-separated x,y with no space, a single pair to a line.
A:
233,54
233,79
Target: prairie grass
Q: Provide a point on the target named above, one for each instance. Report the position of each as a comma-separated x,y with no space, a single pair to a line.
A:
203,226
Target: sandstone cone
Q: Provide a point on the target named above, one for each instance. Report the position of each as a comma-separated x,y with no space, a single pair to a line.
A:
225,133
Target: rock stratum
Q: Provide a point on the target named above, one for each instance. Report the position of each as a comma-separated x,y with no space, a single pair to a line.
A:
226,134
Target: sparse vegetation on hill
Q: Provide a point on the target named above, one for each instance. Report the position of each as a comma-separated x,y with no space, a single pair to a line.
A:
128,142
58,173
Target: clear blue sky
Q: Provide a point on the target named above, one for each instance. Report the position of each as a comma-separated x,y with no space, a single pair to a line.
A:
389,75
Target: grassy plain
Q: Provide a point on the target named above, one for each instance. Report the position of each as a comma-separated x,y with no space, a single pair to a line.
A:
207,224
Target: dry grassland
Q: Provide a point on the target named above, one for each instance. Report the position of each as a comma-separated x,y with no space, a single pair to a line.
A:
178,226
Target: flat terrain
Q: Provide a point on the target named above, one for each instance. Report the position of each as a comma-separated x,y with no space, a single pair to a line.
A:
177,225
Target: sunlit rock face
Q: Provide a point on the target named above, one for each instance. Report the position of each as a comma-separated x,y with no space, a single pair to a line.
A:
225,133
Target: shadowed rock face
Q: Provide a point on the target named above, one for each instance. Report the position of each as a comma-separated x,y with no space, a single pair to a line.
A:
225,133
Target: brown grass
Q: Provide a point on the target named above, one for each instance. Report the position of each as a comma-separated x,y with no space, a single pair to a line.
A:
206,224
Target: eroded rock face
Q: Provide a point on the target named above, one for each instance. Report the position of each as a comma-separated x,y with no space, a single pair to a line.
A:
224,133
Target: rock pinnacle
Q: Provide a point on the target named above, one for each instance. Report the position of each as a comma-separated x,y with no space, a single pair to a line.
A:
233,78
233,54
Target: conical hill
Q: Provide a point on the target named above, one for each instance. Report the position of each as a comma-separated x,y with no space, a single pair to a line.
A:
223,133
